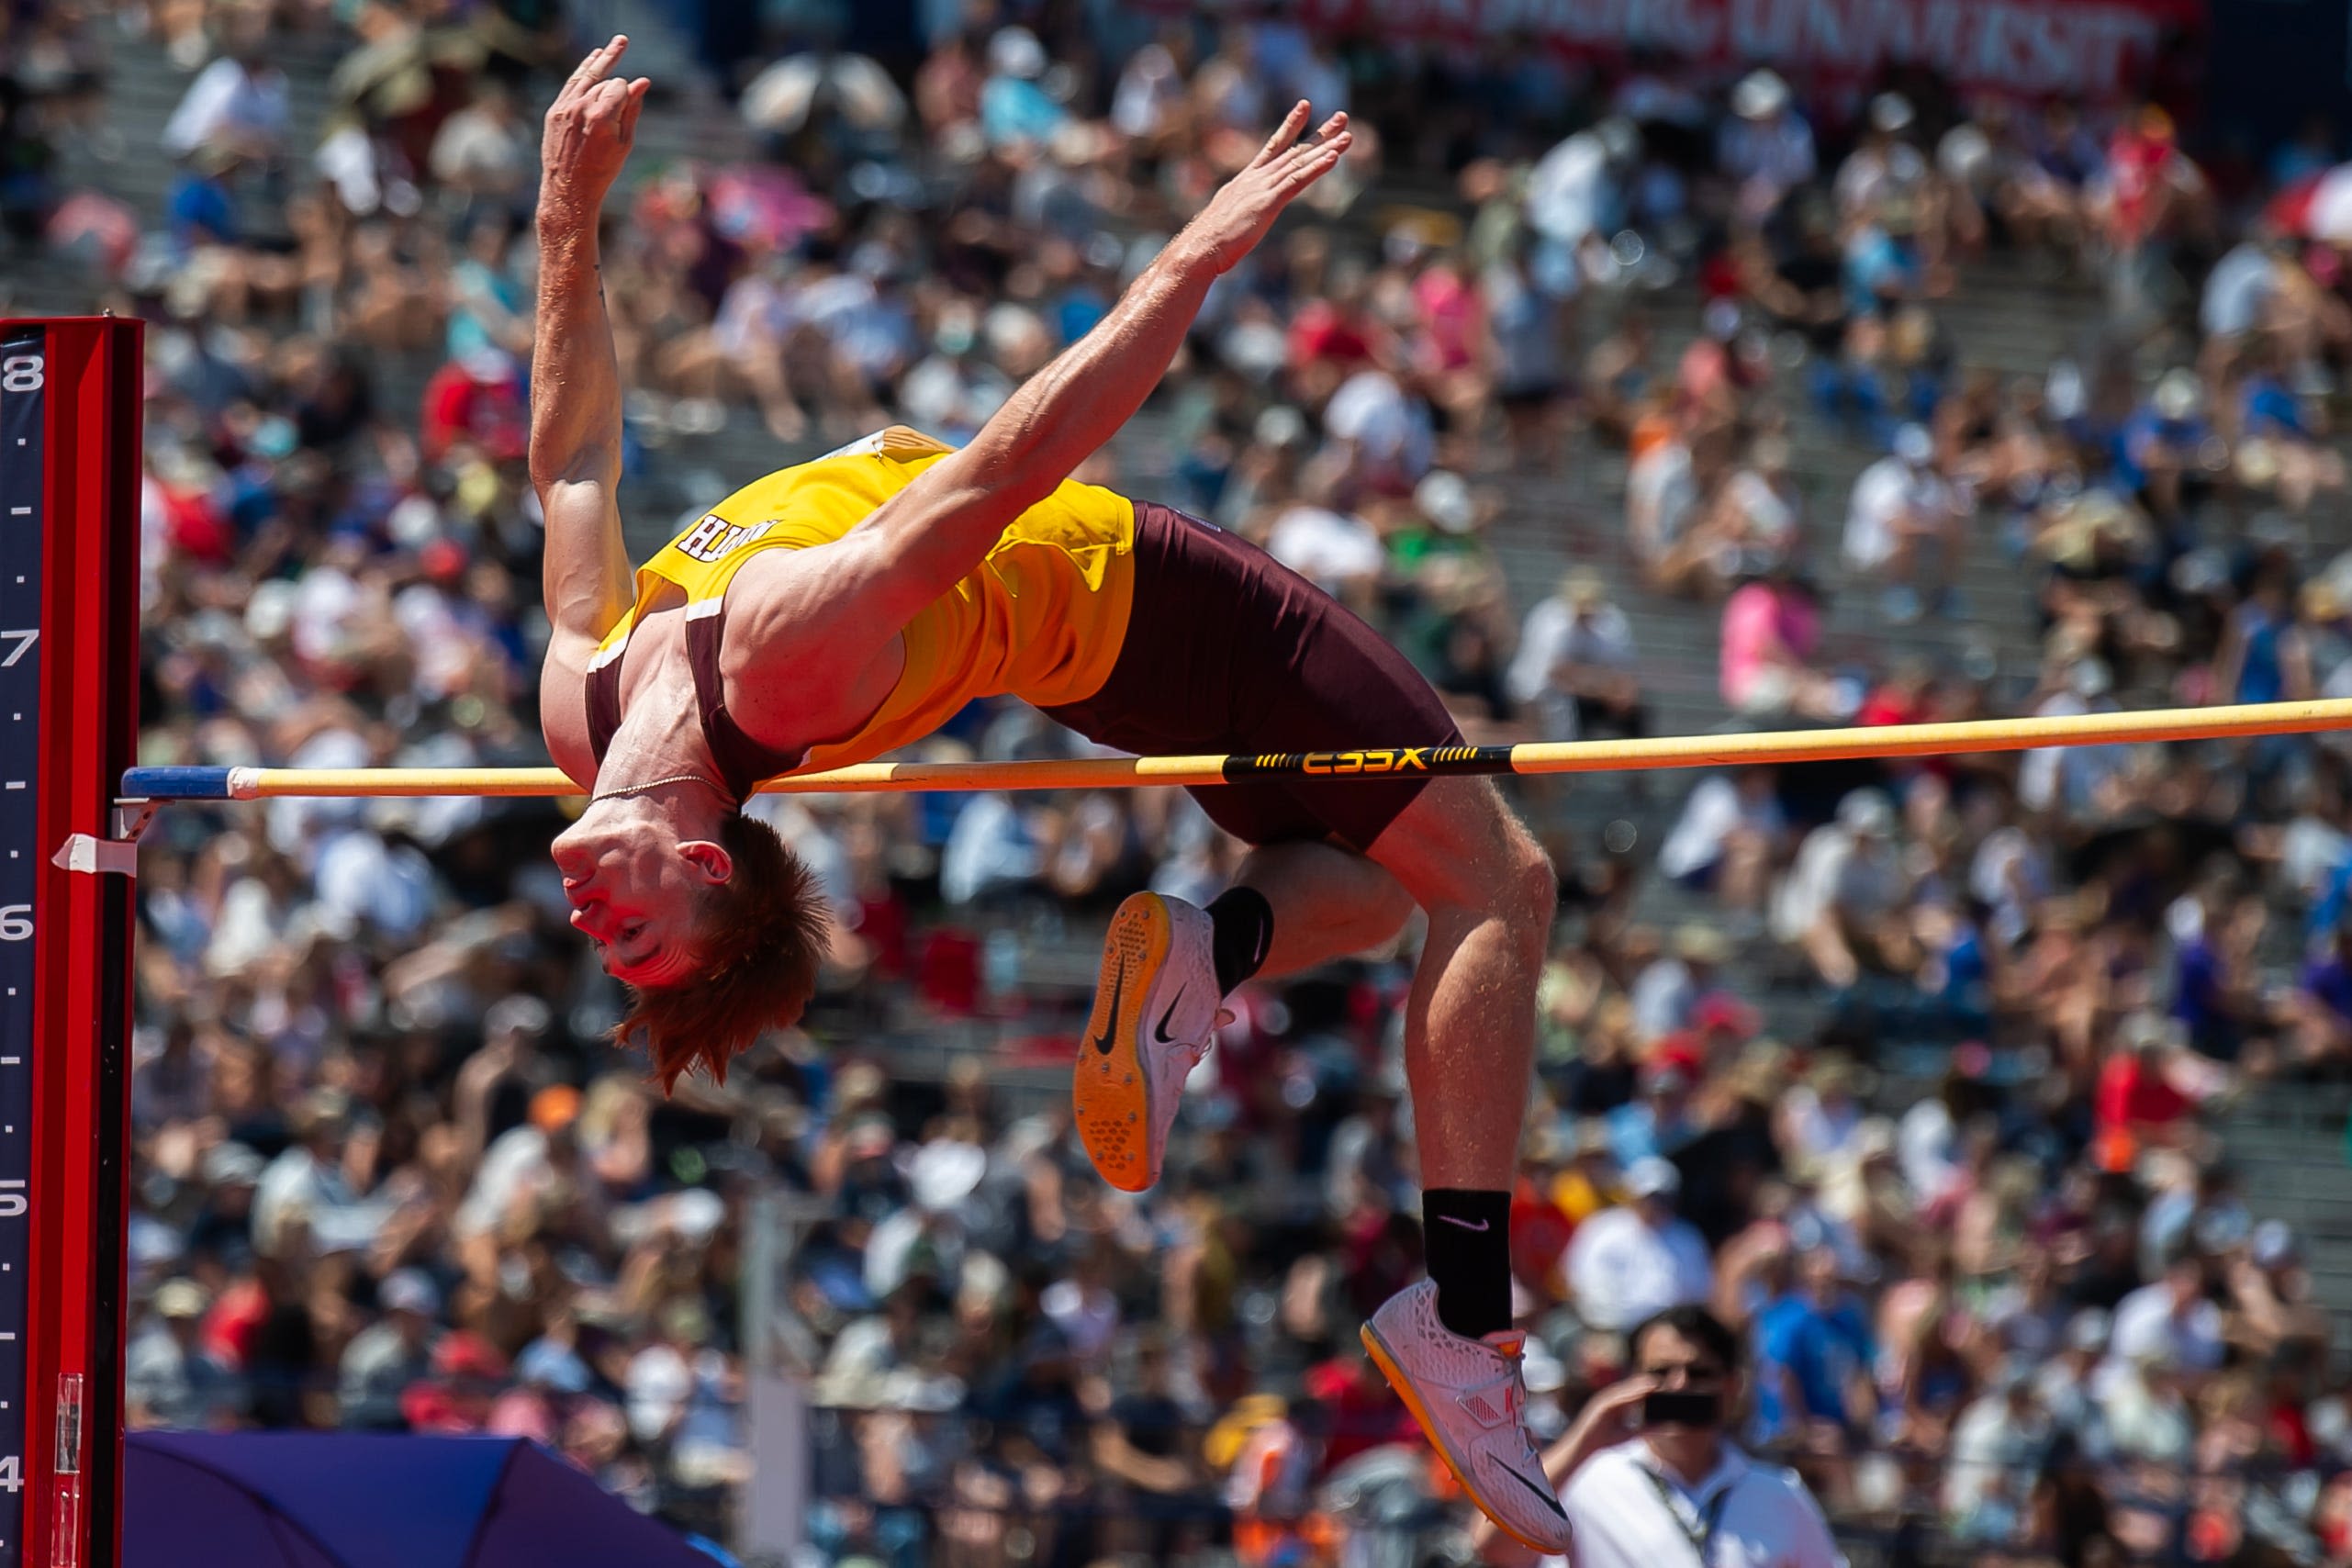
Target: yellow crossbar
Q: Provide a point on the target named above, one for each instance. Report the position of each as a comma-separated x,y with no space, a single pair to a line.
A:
1123,772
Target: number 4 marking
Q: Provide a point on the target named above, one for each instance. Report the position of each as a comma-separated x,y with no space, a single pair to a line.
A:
23,639
11,1481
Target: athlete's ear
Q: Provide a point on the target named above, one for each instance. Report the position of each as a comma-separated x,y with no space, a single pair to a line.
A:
710,860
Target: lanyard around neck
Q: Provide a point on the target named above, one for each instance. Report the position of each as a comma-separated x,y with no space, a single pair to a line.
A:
1702,1539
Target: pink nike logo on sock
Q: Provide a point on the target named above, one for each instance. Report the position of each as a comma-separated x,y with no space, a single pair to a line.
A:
1482,1224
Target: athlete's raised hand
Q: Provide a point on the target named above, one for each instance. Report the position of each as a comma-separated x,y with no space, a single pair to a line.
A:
1237,216
590,128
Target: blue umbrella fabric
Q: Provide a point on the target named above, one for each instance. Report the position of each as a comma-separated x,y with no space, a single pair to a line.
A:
360,1500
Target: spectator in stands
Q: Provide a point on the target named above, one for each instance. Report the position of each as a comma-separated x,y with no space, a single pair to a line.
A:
1839,901
171,1379
1626,1263
2170,1323
1771,629
2154,199
1658,1119
2137,1105
482,152
237,103
1994,1448
1732,834
1901,505
1575,664
1665,996
1627,1497
1814,1356
2161,451
1766,149
386,1358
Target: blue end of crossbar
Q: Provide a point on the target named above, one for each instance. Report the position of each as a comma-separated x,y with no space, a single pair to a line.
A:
175,784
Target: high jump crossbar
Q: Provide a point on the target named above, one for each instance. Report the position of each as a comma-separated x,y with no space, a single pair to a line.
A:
141,786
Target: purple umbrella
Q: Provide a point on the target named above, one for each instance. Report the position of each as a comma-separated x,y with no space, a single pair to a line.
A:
357,1500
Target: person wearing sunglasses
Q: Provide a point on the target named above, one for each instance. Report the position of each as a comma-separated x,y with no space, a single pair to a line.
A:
1649,1480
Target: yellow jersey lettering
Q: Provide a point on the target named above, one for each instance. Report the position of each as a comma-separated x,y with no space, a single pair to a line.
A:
714,538
699,540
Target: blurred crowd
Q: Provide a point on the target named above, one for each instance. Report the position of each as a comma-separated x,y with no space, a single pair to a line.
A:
1909,1072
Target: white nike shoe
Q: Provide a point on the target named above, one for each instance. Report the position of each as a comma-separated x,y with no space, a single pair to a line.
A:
1155,1013
1470,1398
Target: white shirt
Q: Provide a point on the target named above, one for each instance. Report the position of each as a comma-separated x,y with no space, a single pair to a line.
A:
473,145
1662,995
1621,1271
1553,635
226,100
2144,1322
1149,92
516,1160
1770,517
1629,1511
1570,189
2069,778
1777,151
298,1182
1371,411
2237,288
1661,493
1328,548
1708,818
1831,872
1886,491
1992,1456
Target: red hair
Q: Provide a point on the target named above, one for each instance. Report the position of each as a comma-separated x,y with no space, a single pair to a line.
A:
762,937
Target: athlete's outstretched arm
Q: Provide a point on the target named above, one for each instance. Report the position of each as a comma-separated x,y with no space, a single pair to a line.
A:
575,375
931,534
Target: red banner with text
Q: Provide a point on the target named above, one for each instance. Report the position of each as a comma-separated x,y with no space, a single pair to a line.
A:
2083,48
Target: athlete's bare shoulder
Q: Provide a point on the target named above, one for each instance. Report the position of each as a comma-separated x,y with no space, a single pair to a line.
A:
803,659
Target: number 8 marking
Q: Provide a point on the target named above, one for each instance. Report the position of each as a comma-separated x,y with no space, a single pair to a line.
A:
21,373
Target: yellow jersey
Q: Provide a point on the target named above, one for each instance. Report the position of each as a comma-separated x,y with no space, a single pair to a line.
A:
1042,616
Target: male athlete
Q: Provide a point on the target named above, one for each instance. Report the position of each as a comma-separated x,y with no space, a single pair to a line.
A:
844,608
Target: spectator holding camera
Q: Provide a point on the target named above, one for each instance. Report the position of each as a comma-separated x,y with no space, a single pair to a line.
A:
1648,1479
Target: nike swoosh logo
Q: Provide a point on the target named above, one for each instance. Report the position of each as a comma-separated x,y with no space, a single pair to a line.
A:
1118,988
1482,1224
1543,1492
1160,1032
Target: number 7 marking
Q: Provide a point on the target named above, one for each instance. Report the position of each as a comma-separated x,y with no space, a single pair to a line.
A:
24,639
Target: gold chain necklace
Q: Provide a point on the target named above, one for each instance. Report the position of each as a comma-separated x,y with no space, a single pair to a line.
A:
657,783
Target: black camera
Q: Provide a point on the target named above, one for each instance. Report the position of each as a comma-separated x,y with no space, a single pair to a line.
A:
1683,1407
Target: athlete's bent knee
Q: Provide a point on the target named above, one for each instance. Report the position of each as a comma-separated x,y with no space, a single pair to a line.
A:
1530,893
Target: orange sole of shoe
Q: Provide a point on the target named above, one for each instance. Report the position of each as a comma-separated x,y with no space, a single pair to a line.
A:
1109,1091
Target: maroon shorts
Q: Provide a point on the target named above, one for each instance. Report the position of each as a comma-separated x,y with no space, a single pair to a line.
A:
1229,650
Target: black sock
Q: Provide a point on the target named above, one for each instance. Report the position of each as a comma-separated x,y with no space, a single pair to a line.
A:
1241,932
1468,1236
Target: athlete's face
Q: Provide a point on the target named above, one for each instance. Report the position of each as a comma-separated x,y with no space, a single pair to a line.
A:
637,888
